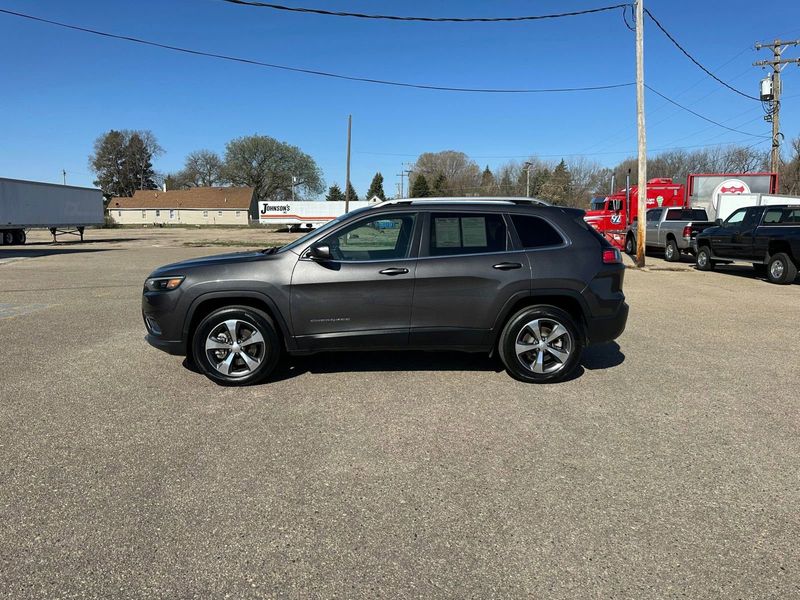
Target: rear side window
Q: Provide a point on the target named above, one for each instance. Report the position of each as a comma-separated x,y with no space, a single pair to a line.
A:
466,233
674,215
782,216
535,232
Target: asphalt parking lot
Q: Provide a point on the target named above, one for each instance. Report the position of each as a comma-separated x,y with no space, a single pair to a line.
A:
668,468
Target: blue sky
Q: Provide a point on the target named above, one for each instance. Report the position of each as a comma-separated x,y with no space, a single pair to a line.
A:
61,89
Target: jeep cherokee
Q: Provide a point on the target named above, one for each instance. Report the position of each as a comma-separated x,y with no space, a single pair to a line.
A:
530,281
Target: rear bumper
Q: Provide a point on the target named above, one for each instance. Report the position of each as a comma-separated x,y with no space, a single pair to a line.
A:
610,328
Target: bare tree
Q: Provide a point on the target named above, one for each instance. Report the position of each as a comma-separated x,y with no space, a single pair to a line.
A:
203,168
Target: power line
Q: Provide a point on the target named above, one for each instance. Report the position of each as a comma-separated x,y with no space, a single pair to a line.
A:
332,13
314,71
694,60
696,114
566,154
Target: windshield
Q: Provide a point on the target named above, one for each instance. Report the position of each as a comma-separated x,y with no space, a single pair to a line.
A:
598,203
304,238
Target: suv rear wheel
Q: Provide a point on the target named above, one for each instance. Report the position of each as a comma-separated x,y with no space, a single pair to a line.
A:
781,269
540,344
236,345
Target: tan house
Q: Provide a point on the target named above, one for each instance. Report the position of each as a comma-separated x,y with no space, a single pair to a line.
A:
195,206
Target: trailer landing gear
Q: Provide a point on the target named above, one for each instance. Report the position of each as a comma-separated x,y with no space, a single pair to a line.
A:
55,231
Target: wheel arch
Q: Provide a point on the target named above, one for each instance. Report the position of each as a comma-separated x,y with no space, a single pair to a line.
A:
569,302
211,301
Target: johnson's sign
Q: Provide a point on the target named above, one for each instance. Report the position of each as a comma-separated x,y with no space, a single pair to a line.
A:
273,208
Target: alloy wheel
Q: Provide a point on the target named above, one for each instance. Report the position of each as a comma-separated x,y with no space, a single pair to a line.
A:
776,269
235,347
544,345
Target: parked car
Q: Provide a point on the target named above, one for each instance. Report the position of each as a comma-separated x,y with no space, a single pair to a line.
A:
529,281
671,228
766,236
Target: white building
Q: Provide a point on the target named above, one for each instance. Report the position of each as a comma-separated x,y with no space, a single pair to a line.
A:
195,206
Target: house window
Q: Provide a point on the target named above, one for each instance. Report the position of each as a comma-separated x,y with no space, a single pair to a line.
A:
144,214
205,213
238,212
219,213
171,214
158,213
119,213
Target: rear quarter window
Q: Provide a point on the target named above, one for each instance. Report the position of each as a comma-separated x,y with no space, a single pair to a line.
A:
535,232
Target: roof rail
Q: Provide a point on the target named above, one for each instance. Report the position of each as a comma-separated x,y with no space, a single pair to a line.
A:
467,200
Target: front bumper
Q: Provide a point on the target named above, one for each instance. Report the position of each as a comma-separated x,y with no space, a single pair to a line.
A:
175,347
600,330
160,312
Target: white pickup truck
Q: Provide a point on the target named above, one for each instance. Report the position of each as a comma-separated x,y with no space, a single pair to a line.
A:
671,228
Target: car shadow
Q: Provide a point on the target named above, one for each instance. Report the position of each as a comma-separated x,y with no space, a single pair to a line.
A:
745,272
50,251
602,356
59,243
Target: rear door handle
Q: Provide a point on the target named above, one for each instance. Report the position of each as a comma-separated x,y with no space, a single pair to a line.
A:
394,271
507,266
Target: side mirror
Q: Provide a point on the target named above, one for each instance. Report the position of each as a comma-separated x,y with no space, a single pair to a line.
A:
320,252
718,222
616,205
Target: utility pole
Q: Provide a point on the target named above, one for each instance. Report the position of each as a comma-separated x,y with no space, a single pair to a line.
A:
401,175
774,98
347,187
642,179
528,166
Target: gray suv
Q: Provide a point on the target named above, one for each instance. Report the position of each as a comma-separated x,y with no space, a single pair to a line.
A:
529,281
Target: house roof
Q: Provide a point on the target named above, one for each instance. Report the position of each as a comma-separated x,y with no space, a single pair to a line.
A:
199,197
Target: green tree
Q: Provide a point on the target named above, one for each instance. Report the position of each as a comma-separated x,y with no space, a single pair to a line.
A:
419,188
439,187
487,182
335,194
558,187
268,165
376,188
123,161
351,191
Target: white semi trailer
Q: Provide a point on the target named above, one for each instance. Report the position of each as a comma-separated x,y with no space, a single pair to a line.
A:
63,209
303,214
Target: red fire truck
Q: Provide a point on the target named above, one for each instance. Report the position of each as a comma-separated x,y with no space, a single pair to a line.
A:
610,215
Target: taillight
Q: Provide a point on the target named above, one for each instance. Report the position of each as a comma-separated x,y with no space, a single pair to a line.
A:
687,232
611,256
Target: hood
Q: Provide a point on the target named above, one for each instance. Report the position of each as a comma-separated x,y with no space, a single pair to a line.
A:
179,268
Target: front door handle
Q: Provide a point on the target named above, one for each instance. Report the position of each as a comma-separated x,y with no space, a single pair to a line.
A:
394,271
507,266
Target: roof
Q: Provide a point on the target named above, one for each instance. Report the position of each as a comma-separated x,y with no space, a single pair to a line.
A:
199,197
468,200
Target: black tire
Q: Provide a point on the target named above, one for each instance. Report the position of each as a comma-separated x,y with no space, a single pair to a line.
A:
550,368
703,259
671,252
6,238
20,237
630,245
781,269
260,357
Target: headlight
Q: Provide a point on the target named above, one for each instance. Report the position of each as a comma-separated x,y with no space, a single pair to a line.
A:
163,284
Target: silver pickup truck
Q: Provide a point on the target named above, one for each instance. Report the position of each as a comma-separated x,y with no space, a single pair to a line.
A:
672,228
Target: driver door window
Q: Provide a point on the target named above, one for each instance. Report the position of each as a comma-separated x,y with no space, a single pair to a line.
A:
384,237
736,219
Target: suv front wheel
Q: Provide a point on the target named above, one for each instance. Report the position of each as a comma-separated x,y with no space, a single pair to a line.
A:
540,344
236,345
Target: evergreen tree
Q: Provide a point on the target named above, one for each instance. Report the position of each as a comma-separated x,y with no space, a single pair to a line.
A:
558,188
419,189
352,192
487,182
376,188
439,188
335,194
